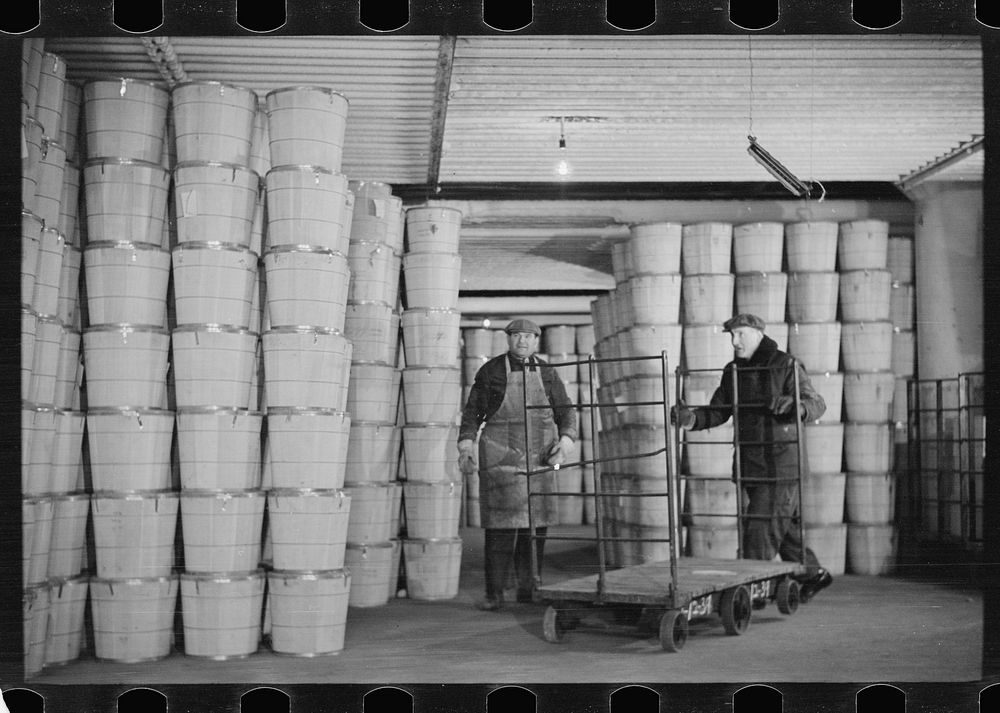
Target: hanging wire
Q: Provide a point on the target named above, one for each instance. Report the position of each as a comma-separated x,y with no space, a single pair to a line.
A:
750,62
812,113
812,103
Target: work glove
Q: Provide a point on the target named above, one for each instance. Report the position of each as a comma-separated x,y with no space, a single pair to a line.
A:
467,456
782,405
683,416
559,451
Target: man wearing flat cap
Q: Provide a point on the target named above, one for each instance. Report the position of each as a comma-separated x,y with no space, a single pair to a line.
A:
497,403
767,433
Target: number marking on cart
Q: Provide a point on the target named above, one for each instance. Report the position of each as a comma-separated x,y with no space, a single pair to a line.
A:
700,607
760,590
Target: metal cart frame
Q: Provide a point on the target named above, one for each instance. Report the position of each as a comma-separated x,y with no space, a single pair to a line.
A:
663,596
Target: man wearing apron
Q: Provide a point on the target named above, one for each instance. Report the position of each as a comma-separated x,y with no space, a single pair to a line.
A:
497,400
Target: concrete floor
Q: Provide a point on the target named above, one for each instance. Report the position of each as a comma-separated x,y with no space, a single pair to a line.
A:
861,629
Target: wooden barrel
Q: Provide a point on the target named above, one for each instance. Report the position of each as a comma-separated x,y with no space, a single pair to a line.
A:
811,246
125,117
306,286
432,280
134,533
126,199
306,125
763,294
222,529
758,247
308,611
655,248
126,283
221,614
863,244
126,365
133,618
214,366
432,229
309,528
219,448
432,567
213,121
214,201
706,248
308,205
306,448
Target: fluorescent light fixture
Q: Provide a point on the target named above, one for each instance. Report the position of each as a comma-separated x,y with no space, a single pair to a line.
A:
776,169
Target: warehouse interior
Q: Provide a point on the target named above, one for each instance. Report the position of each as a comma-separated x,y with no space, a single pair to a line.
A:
552,154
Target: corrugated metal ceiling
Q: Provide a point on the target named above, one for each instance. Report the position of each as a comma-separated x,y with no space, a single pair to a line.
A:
649,108
637,110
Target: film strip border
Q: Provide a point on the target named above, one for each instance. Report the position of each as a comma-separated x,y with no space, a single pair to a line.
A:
487,16
595,698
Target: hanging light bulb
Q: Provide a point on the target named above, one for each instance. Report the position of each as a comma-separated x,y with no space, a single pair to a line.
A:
562,168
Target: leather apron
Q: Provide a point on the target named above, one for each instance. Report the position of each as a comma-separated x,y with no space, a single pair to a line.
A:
503,492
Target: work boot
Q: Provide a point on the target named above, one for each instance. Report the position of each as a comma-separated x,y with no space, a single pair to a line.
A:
489,604
821,580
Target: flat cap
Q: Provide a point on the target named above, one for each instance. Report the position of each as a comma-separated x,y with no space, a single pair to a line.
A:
743,320
523,325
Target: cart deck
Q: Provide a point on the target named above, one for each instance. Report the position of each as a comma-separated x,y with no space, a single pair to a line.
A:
649,583
731,588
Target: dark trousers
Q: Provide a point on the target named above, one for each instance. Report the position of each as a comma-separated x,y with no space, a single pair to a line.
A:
504,547
772,526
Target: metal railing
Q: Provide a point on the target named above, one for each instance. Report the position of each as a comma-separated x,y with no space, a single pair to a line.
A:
946,424
670,452
600,494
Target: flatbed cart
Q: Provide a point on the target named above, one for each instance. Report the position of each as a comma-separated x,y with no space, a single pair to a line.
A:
661,596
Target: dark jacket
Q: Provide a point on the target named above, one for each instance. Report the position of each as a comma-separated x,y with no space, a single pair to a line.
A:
488,391
768,446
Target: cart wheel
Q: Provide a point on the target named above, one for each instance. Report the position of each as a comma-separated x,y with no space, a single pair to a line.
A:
788,596
552,627
735,608
673,630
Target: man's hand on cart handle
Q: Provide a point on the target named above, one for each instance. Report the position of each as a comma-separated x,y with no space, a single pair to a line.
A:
683,416
466,456
782,405
559,451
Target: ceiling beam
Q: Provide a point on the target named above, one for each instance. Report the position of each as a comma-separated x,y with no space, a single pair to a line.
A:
939,164
442,87
746,190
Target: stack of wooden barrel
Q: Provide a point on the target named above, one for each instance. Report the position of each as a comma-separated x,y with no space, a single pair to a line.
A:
559,345
814,339
869,384
706,464
215,361
54,501
479,345
307,364
432,391
373,547
126,341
